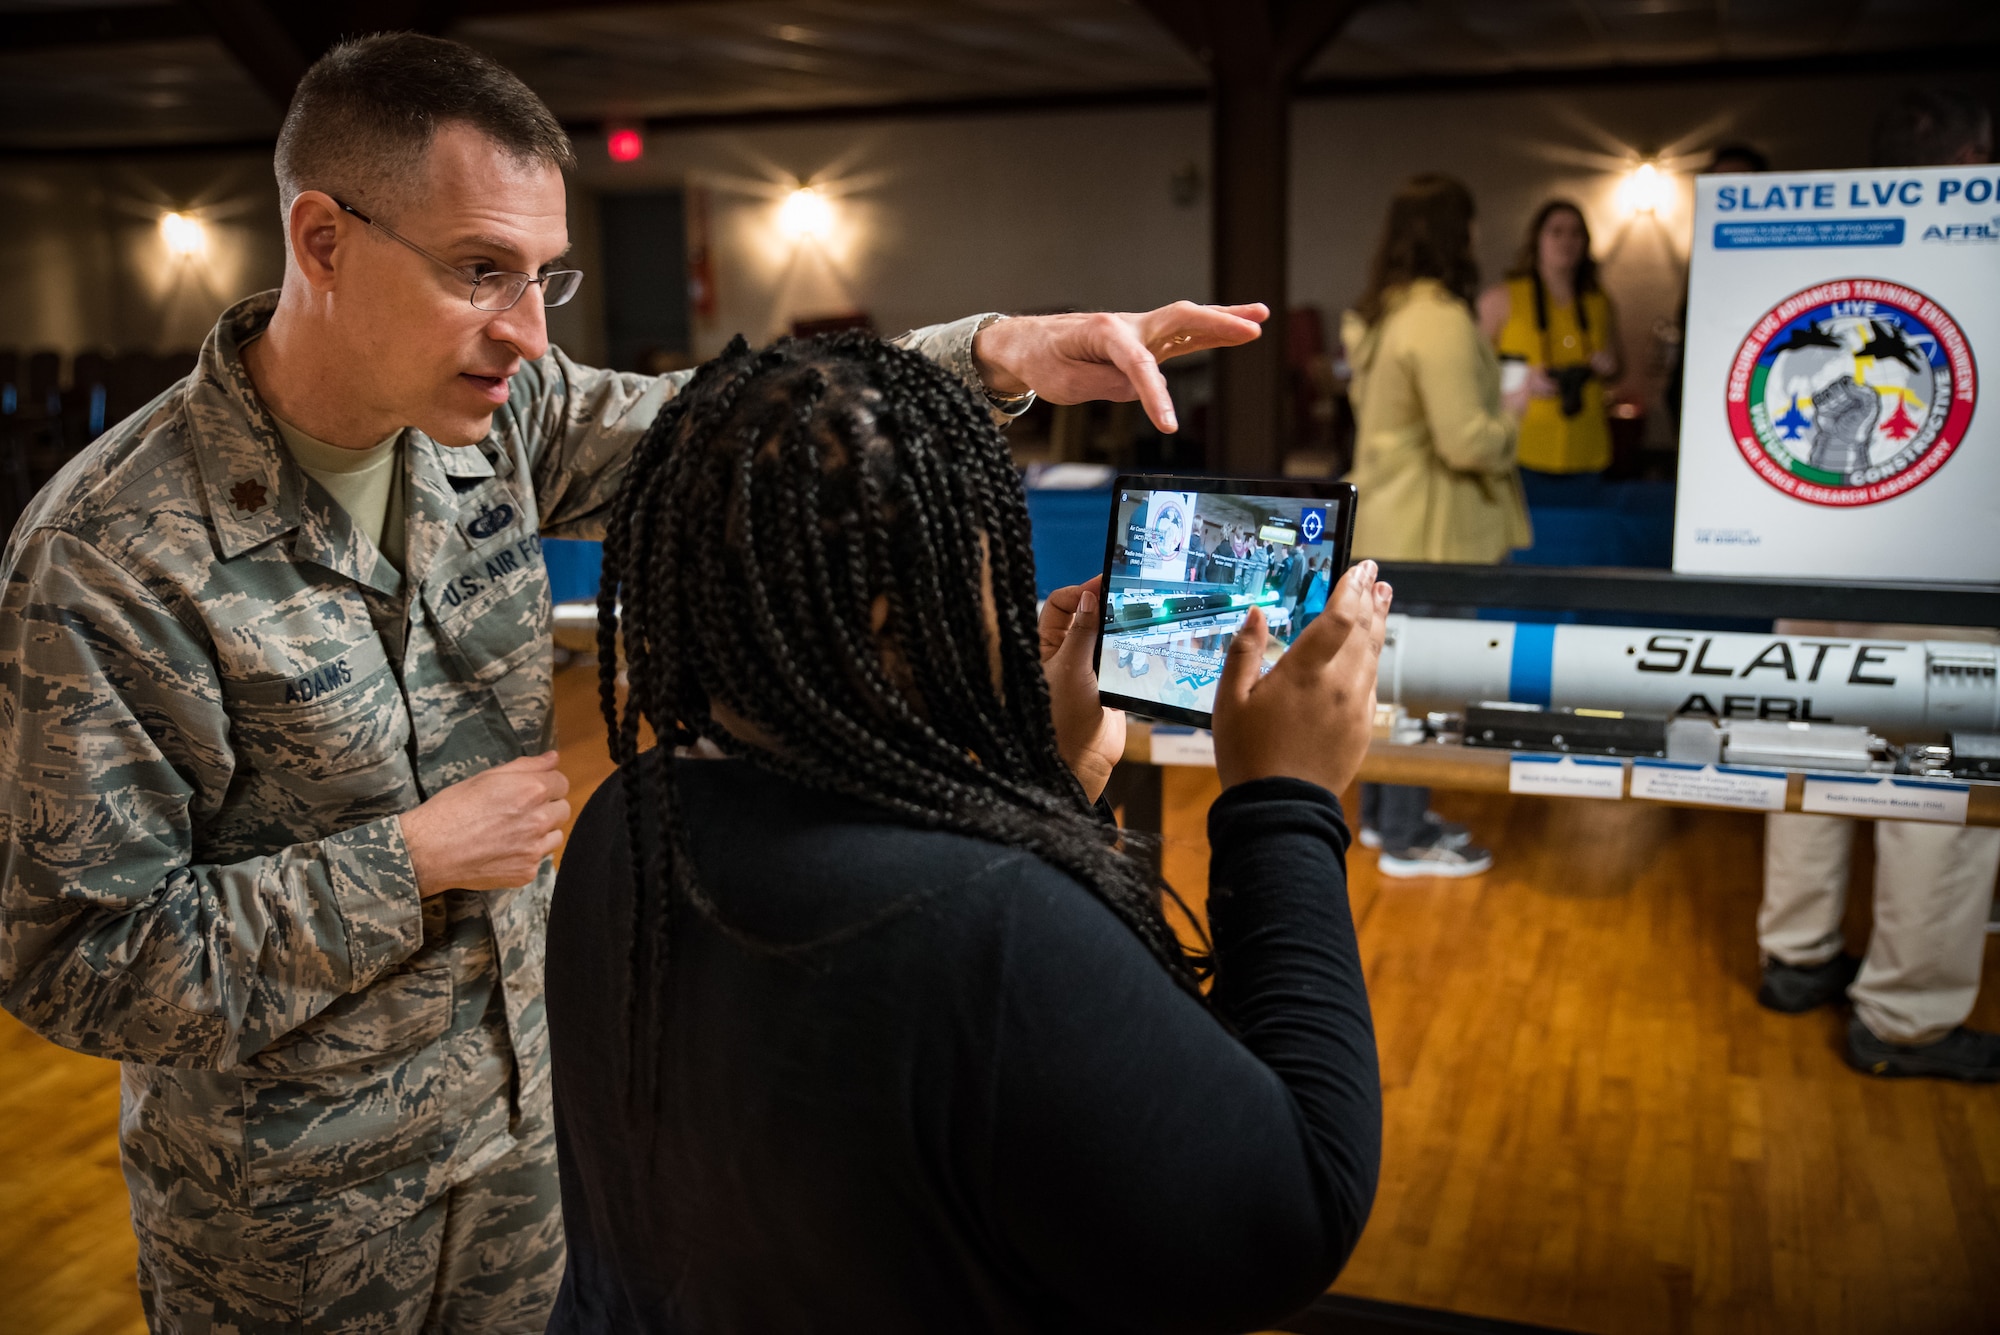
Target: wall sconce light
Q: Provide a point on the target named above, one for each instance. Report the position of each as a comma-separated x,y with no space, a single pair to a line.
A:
805,213
184,236
625,144
1645,189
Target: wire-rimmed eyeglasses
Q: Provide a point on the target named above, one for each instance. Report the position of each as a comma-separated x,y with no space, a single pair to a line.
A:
494,291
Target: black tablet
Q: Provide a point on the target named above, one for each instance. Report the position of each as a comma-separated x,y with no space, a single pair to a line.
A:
1185,561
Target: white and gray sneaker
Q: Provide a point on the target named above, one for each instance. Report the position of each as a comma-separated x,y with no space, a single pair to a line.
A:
1438,859
1447,832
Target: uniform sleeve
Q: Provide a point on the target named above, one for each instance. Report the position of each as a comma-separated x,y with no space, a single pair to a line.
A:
1459,386
950,346
579,424
115,939
1151,1167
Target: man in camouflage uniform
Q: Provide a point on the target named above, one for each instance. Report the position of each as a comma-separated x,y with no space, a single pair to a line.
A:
278,795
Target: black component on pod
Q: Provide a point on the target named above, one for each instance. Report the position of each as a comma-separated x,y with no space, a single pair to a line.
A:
1590,732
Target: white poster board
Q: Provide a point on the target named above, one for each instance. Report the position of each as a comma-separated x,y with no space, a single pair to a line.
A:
1831,425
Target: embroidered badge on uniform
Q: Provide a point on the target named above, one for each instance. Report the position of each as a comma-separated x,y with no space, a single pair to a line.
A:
490,520
248,495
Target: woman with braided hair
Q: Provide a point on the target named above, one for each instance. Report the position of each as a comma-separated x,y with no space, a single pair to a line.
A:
865,1016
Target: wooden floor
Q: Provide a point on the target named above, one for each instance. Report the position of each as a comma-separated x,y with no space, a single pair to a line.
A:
1589,1122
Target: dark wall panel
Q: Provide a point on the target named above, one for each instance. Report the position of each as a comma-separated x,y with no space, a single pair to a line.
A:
645,277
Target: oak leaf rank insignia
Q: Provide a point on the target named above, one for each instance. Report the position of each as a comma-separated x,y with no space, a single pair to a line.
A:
248,495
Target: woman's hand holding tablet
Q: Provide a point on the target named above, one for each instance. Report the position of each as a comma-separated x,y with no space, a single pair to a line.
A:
1090,737
1309,717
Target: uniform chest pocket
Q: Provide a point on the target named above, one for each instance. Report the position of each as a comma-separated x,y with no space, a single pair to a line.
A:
326,744
490,603
492,593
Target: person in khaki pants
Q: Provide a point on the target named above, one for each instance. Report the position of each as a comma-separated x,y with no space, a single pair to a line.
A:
1934,886
1933,883
1915,987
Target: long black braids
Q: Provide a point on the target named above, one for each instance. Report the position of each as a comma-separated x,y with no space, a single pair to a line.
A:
814,536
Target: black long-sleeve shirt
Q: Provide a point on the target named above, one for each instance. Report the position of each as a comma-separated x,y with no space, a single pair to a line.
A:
963,1096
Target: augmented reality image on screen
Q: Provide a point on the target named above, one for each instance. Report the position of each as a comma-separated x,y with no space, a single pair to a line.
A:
1189,568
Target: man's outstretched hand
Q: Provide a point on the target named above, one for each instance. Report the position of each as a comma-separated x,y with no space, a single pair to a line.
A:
1078,358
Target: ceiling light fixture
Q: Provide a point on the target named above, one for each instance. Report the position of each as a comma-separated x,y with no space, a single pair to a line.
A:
1645,189
805,213
184,236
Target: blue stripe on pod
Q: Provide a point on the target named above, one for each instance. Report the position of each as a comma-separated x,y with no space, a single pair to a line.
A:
1530,673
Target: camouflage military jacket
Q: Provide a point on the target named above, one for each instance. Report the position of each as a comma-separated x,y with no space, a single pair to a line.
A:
218,698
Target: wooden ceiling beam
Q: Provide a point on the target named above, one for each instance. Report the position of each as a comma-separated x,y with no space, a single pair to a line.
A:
54,29
484,9
1304,30
270,50
178,20
1186,21
276,41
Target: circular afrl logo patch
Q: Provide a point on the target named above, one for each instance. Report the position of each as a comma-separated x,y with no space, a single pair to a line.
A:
1851,392
1166,536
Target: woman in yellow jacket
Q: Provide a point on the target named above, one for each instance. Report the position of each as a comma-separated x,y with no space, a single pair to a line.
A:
1433,454
1434,445
1552,316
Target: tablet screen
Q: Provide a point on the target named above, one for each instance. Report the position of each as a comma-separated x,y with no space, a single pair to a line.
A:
1186,560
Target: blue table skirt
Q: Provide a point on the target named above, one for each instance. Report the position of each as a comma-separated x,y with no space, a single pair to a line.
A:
1593,523
1068,536
573,567
1068,541
1582,521
1586,521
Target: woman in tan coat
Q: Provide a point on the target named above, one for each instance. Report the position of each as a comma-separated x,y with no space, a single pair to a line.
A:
1434,445
1433,457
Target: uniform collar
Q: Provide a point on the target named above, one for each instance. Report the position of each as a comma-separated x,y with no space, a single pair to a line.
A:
456,460
327,536
255,491
432,500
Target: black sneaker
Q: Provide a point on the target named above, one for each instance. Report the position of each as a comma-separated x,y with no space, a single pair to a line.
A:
1447,832
1962,1054
1795,990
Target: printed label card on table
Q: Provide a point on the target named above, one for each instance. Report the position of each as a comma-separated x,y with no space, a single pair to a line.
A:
1566,776
1880,797
1183,746
1709,785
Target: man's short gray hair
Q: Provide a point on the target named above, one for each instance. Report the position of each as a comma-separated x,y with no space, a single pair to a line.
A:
365,114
